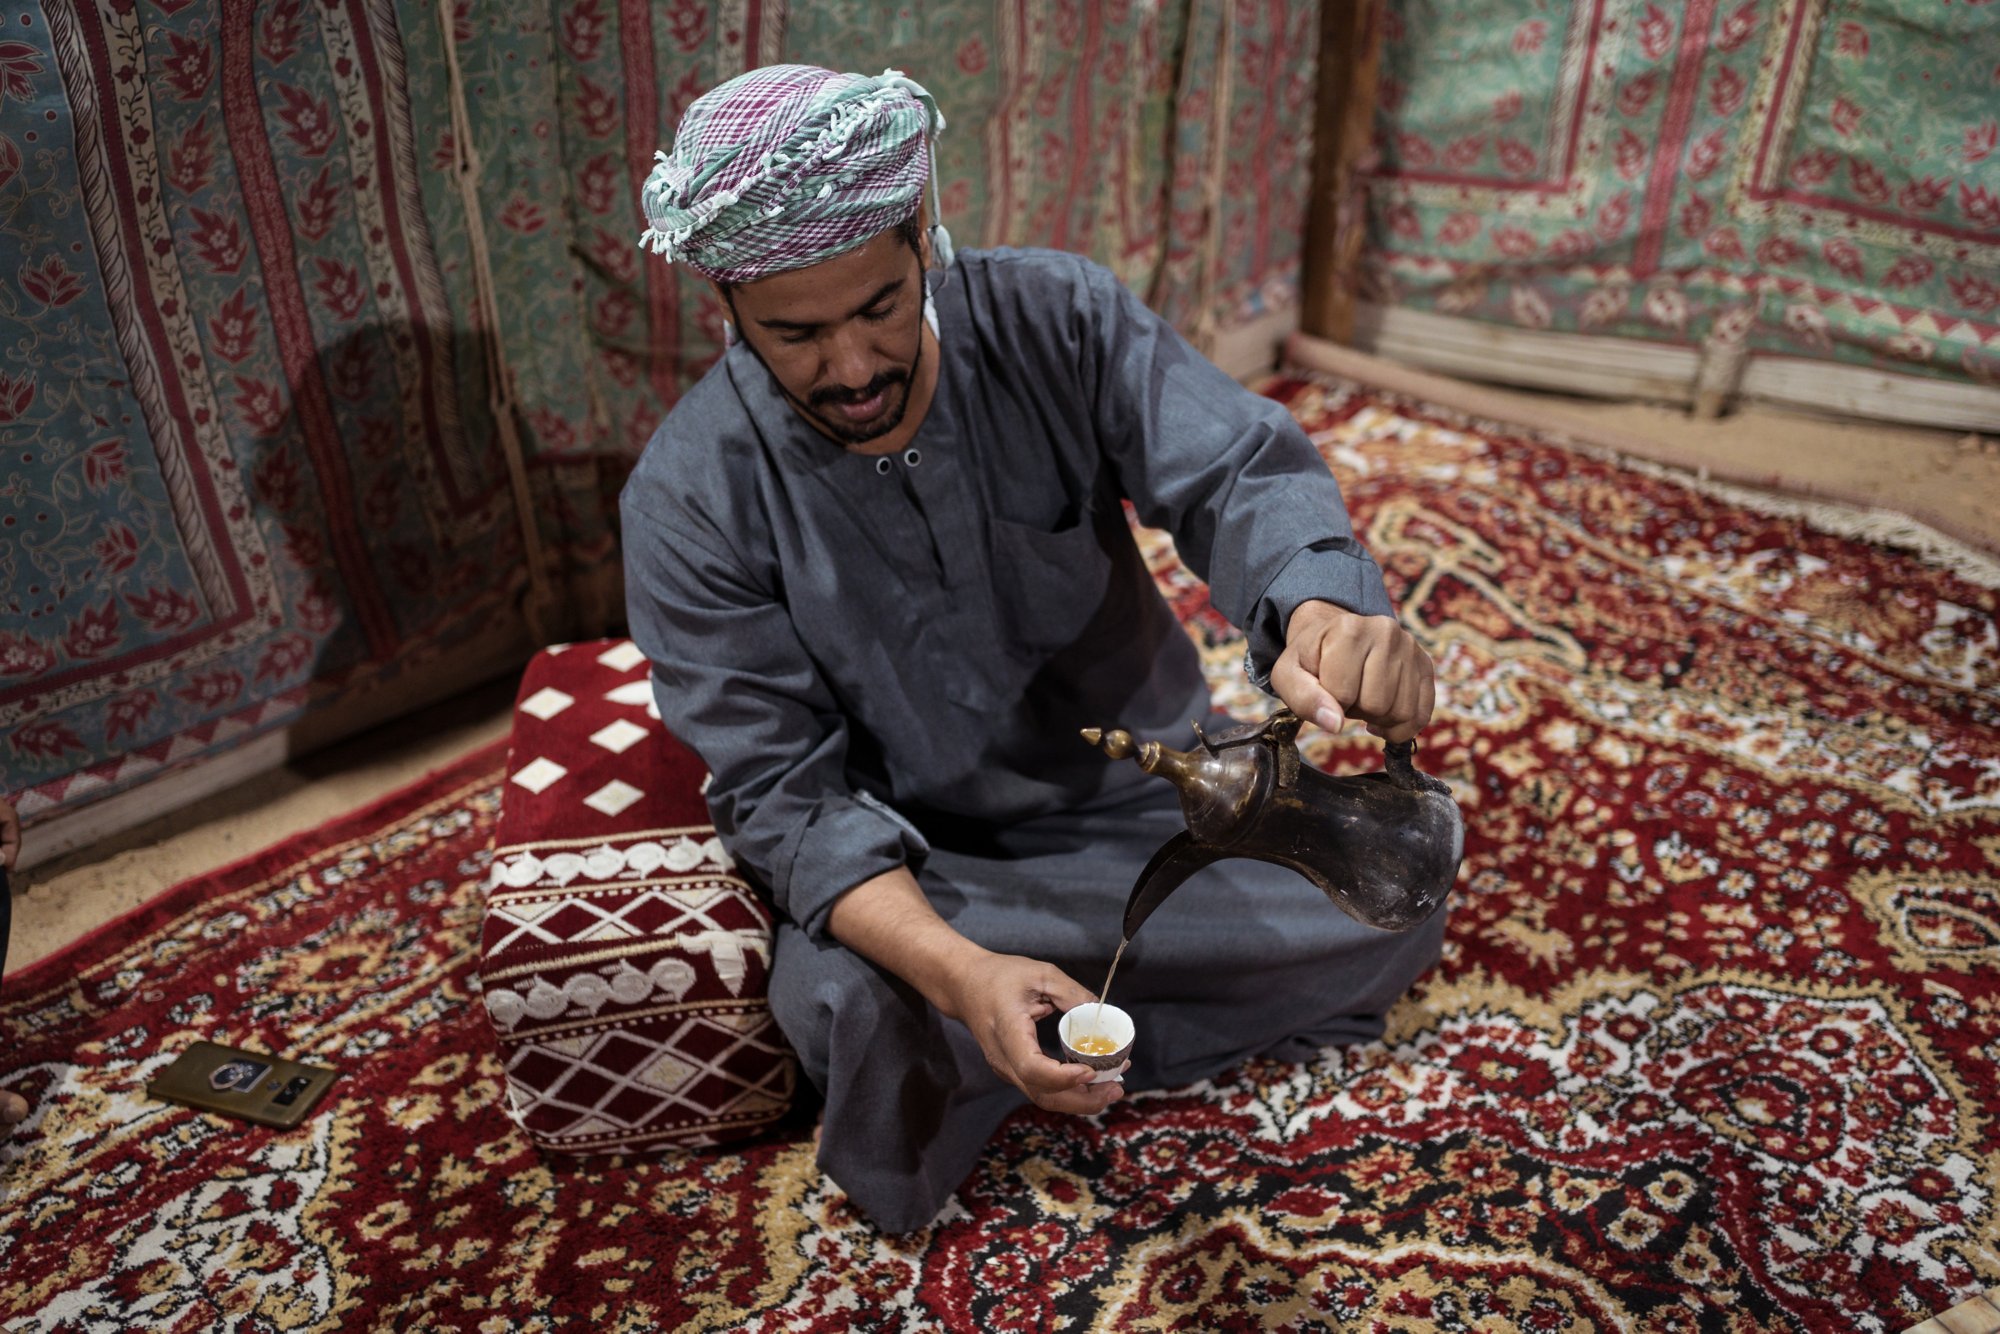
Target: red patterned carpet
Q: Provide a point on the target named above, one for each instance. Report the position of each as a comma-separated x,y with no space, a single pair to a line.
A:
1713,1046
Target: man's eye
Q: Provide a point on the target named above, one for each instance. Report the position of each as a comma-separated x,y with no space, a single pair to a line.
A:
795,338
880,313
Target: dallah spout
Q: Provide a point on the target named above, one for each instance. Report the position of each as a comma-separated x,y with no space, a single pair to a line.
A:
1184,769
1220,788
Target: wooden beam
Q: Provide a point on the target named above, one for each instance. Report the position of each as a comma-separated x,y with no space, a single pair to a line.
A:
1981,1315
1350,65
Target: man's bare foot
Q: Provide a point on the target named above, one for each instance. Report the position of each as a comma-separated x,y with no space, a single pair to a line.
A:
13,1108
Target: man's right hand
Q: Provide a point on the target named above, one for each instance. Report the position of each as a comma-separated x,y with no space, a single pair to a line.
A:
1000,998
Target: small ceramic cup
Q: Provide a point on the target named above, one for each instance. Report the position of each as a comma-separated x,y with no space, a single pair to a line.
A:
1091,1020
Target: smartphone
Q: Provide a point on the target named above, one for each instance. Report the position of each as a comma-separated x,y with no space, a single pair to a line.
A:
249,1085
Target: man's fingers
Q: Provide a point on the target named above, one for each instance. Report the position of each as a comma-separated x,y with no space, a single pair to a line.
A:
1386,691
1337,665
1084,1098
1304,695
1414,703
1059,1087
1418,714
1021,992
1021,1054
1027,1065
1052,1084
1403,716
1343,673
1043,1074
1065,992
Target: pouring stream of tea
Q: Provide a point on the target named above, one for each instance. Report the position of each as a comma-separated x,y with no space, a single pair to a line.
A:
1099,1015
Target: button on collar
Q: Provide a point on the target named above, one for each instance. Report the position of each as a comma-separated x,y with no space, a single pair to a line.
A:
911,458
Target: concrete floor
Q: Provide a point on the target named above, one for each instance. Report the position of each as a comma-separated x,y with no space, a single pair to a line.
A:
1951,476
61,900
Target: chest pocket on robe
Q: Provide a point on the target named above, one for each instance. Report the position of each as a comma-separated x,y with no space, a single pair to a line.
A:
1048,586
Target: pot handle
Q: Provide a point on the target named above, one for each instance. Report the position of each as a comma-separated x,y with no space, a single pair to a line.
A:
1399,762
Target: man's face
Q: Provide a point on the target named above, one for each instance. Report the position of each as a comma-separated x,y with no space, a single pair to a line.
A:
842,336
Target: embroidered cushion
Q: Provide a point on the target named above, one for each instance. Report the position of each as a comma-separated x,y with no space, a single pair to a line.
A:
623,960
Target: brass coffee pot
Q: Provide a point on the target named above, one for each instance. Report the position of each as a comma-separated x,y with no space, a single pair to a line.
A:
1384,846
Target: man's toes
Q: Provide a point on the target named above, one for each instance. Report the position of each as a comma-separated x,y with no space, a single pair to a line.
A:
13,1108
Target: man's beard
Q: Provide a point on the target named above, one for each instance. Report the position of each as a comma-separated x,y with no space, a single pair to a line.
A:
849,434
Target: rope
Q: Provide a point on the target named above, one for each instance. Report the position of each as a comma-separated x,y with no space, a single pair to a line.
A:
1206,320
540,601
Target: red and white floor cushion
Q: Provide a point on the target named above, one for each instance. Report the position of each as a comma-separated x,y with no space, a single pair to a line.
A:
625,964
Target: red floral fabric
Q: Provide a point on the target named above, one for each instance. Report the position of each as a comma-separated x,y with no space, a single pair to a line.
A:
282,283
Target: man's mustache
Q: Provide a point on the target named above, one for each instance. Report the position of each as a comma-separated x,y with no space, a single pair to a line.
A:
832,394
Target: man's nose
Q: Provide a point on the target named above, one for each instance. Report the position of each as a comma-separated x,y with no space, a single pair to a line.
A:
849,361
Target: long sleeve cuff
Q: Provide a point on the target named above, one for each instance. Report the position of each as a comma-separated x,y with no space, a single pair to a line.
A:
1336,571
845,840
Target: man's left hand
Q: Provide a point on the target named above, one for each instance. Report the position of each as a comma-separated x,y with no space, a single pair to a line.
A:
1338,665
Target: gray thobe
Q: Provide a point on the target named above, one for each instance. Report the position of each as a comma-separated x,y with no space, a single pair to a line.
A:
885,661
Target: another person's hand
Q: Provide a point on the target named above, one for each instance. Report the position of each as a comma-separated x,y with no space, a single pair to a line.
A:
1000,1001
10,835
1338,665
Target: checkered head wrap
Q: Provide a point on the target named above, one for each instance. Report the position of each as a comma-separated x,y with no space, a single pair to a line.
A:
786,166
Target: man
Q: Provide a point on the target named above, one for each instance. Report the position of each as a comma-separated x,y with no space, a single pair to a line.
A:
878,560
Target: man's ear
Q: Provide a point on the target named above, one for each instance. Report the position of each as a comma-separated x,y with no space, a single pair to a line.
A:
731,330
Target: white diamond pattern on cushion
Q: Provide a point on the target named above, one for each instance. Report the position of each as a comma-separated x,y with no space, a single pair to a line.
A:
546,703
662,1079
618,737
538,774
623,657
614,797
637,692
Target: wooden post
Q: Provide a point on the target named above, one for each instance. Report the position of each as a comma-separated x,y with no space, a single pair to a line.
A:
1350,64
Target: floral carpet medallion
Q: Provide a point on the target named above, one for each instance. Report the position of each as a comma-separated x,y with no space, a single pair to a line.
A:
1712,1047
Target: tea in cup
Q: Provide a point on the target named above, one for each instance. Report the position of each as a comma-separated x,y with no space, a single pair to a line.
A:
1099,1036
